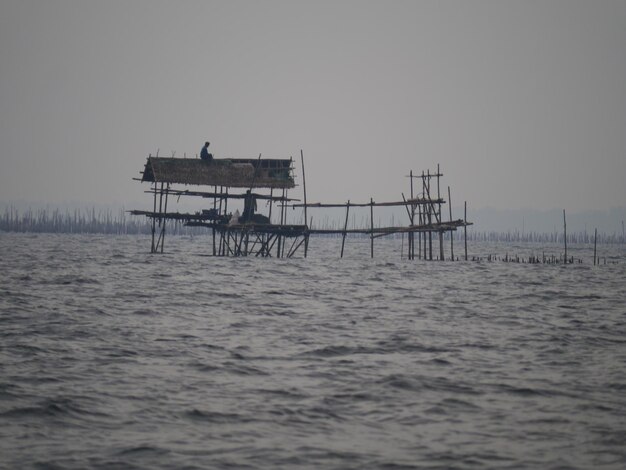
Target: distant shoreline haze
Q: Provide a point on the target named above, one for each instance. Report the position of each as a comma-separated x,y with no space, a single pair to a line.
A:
489,223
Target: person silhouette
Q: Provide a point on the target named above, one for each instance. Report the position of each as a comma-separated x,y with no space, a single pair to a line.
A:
204,153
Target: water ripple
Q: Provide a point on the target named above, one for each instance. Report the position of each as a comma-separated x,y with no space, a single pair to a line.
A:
114,358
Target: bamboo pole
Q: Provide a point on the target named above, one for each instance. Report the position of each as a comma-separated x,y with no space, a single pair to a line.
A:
345,227
431,209
451,232
167,188
306,235
152,247
372,227
465,229
221,200
565,236
419,234
223,239
411,247
215,212
425,215
404,202
595,241
282,213
430,246
160,215
284,223
439,192
441,255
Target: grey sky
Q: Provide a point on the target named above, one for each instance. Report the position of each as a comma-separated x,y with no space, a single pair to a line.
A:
523,103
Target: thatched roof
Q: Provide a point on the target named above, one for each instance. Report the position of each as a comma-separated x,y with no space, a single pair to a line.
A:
234,173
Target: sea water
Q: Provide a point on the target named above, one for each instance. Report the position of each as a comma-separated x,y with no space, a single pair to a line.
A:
111,357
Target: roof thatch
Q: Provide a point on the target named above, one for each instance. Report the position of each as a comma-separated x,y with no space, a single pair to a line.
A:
234,173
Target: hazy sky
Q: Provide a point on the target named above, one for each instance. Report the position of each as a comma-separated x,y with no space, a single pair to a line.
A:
523,103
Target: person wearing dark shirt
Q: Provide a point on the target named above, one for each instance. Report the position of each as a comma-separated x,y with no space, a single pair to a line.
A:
249,206
204,153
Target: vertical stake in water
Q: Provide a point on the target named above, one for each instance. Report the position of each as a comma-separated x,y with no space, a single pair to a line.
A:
465,229
215,211
372,227
161,219
451,232
424,212
411,248
565,236
153,248
167,193
419,234
595,240
345,227
441,255
224,235
282,210
282,252
306,228
439,193
431,209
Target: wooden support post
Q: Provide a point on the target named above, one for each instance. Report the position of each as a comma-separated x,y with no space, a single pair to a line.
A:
430,245
294,246
237,238
153,247
282,254
439,193
214,245
465,229
411,248
223,235
595,241
345,227
282,216
411,219
215,211
565,236
451,232
424,214
306,228
441,255
219,212
167,193
431,209
372,227
419,234
161,220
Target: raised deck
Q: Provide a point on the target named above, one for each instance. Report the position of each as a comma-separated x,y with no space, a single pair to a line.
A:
230,172
253,233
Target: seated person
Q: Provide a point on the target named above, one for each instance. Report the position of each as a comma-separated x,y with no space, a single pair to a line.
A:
204,153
